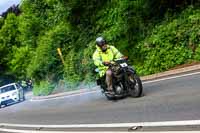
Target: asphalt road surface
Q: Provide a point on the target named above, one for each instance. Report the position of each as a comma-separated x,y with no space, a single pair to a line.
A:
167,100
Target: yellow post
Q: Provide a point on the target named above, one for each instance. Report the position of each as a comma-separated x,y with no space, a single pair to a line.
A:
60,54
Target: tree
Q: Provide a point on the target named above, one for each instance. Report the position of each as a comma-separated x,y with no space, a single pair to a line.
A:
9,34
13,9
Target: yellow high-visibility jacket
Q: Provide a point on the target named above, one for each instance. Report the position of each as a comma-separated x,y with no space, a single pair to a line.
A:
99,57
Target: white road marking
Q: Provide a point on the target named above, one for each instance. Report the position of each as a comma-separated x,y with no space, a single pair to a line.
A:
61,97
32,131
111,125
146,82
173,77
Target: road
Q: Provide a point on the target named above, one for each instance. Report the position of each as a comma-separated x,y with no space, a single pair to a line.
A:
167,100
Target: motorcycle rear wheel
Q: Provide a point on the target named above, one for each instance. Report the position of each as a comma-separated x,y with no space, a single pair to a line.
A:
110,97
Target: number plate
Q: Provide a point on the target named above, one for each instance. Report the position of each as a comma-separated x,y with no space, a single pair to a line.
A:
123,65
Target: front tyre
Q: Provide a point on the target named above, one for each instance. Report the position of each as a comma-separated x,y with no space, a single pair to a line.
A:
135,86
22,99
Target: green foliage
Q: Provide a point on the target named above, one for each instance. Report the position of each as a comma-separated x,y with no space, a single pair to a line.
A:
70,67
9,32
171,43
46,61
43,88
197,55
8,38
1,22
20,61
30,27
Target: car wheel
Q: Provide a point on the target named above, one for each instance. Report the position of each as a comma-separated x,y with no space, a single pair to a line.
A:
19,99
22,98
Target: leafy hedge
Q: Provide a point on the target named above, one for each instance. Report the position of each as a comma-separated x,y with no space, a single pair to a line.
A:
43,88
171,43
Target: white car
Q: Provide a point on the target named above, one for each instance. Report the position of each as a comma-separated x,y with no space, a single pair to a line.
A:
11,93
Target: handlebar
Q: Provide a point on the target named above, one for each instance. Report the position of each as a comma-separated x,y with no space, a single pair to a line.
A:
117,61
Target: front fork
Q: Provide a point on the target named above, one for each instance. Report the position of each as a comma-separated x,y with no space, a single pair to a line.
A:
128,81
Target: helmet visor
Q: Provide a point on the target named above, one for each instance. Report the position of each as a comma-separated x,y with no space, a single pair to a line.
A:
101,43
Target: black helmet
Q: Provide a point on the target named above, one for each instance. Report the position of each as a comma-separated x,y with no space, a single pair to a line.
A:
100,41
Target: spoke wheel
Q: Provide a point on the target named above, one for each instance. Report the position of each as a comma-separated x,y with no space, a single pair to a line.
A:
135,85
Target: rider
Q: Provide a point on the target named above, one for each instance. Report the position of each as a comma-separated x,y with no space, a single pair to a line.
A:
102,57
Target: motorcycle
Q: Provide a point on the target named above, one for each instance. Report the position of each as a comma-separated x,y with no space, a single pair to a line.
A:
125,81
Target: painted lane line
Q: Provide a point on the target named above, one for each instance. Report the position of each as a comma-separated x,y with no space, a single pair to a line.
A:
61,97
28,131
173,77
31,131
111,125
84,93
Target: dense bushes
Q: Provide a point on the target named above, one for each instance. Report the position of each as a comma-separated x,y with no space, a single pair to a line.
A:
171,43
43,88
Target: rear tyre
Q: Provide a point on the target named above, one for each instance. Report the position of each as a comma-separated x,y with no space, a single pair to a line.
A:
109,96
21,98
136,87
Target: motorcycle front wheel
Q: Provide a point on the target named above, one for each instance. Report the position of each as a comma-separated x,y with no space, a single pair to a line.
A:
135,86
